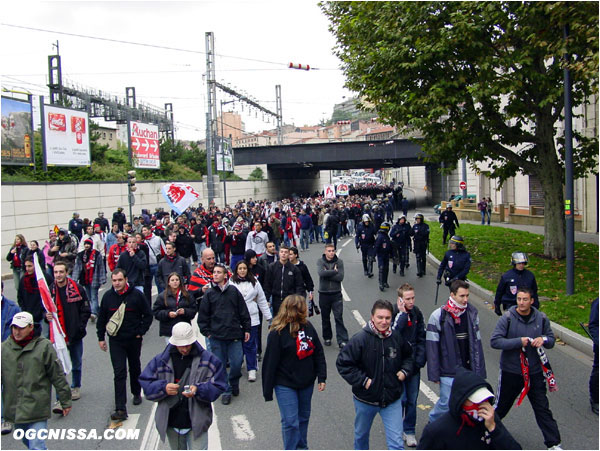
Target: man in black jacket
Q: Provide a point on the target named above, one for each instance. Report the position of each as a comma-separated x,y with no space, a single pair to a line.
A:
471,422
169,264
73,314
282,279
376,377
134,262
331,273
409,321
223,318
126,344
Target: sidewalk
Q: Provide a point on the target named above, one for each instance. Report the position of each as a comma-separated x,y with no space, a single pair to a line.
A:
579,236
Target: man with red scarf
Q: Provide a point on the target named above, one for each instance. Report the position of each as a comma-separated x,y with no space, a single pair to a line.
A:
73,314
89,272
522,333
453,340
29,298
116,250
292,228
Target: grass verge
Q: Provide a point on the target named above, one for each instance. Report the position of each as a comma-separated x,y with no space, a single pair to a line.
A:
491,248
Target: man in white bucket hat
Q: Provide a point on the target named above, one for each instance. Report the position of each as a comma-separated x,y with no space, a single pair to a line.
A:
184,379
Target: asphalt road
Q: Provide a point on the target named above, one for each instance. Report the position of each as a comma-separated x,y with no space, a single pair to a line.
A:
251,423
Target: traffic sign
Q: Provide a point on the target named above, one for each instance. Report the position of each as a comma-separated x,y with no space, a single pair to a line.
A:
463,185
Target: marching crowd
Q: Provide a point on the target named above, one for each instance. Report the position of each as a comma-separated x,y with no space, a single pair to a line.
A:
233,269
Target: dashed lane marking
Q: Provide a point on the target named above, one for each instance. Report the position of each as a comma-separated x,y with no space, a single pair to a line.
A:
359,318
241,428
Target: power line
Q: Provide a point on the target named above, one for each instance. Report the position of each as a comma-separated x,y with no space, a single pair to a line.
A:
141,44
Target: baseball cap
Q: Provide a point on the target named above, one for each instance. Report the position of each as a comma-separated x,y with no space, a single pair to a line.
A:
480,395
22,319
182,334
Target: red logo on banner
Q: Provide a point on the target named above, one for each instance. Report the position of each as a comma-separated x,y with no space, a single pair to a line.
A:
175,193
57,122
78,127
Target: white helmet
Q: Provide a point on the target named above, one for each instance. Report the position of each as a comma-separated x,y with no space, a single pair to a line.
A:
366,218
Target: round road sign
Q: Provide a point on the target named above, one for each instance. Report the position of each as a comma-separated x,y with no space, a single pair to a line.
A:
462,185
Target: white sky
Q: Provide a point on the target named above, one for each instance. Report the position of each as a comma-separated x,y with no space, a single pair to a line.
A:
274,32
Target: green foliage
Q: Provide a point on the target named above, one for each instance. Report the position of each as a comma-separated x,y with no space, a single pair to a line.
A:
223,175
480,80
491,248
177,163
257,174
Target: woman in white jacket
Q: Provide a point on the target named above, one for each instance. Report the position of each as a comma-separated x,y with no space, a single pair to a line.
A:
246,283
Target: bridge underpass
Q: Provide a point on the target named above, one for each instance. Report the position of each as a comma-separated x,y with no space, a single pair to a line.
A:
302,164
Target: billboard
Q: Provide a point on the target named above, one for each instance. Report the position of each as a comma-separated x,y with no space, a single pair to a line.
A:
224,161
66,137
17,132
144,145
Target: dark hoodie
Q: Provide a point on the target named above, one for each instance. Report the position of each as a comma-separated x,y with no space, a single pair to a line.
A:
451,432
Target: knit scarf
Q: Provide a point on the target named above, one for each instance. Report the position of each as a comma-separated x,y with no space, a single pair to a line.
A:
455,309
546,369
30,283
25,341
170,258
89,261
385,334
17,256
61,312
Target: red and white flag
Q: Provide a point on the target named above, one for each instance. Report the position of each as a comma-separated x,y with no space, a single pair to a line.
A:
179,196
57,335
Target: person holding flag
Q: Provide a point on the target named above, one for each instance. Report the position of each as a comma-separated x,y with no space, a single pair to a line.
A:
68,311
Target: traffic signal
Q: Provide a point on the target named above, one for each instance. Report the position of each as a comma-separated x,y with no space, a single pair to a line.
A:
132,180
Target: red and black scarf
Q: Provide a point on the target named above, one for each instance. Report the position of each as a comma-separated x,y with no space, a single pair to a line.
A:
89,261
17,263
385,334
30,283
304,345
546,369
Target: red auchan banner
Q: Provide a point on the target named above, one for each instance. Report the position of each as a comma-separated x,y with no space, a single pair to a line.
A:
66,137
145,151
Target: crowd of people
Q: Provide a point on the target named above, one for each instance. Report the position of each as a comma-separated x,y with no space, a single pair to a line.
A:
233,269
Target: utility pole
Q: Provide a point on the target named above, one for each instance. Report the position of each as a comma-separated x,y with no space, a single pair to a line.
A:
211,95
279,114
464,174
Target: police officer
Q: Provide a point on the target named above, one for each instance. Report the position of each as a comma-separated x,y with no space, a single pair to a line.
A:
456,262
512,280
449,222
389,209
420,242
378,216
400,235
383,250
365,240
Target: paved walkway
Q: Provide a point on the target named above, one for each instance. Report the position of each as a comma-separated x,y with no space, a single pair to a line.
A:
579,236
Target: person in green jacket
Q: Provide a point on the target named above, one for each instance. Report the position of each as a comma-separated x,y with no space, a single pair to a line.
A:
30,367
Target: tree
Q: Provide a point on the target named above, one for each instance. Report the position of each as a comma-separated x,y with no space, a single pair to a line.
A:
481,80
256,174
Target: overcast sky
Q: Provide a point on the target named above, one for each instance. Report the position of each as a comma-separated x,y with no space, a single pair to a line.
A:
254,41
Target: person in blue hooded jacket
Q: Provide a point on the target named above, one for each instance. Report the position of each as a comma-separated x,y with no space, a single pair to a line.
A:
383,250
456,262
183,416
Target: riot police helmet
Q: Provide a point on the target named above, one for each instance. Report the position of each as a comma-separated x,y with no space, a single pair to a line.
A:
385,226
458,241
401,217
366,218
519,257
419,216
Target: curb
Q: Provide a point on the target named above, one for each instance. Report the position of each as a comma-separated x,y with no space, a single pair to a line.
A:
7,276
582,344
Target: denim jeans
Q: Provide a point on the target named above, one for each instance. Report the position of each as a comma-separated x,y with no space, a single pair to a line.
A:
76,353
304,238
186,441
319,233
409,402
35,443
153,271
229,351
483,215
294,408
441,407
351,226
17,274
391,416
250,348
235,258
92,294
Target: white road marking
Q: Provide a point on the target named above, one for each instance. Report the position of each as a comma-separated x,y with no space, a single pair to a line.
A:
347,242
214,436
359,318
241,428
345,294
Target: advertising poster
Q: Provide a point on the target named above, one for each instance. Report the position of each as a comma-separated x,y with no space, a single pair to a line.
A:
224,156
329,191
66,137
17,132
342,189
145,150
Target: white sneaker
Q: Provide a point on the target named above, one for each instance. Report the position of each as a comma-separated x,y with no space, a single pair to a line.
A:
556,447
252,376
409,440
